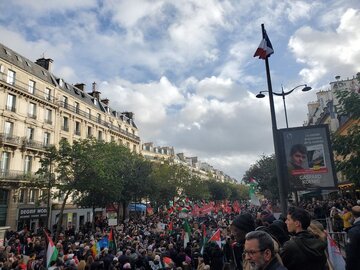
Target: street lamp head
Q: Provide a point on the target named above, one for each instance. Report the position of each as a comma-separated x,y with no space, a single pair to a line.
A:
306,88
260,95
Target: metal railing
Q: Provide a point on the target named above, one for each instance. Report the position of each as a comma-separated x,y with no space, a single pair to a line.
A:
14,174
10,139
24,87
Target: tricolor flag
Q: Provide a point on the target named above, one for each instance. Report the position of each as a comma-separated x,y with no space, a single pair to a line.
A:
187,232
265,48
204,241
52,252
216,238
253,199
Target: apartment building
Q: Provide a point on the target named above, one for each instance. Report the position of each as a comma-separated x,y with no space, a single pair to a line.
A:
37,109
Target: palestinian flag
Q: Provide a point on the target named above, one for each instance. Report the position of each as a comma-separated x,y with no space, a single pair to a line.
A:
216,237
187,232
112,244
51,252
204,240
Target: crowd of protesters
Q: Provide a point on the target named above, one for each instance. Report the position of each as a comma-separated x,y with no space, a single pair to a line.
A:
255,238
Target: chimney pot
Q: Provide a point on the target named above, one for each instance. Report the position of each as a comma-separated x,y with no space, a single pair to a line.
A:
45,63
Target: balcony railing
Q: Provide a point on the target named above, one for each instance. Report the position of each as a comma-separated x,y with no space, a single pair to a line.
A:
34,144
76,110
77,132
48,121
24,87
10,108
10,139
65,128
32,115
15,175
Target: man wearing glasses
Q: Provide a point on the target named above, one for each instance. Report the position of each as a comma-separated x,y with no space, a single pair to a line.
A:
259,252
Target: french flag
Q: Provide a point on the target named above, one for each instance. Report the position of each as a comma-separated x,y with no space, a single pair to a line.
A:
265,48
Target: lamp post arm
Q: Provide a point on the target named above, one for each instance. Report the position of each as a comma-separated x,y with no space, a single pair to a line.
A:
288,92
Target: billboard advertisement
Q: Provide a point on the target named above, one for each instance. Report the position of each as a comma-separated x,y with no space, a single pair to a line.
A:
309,159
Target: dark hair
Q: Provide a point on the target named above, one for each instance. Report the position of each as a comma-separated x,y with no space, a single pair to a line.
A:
298,148
265,240
301,215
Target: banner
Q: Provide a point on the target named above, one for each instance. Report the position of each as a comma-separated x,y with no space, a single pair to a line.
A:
309,159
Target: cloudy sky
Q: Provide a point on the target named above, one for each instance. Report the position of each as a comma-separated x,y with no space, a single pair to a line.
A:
186,67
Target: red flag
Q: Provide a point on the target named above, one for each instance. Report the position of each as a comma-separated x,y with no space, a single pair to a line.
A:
216,237
265,48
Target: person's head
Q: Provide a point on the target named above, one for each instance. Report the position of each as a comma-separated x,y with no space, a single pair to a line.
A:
298,154
258,249
356,211
297,220
241,225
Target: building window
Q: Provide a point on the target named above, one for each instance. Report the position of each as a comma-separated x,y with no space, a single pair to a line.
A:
65,124
32,196
134,148
22,194
99,118
32,110
8,129
28,164
77,107
11,103
11,77
46,138
65,101
5,163
112,139
77,128
48,116
89,132
47,94
30,134
100,135
88,112
128,145
31,88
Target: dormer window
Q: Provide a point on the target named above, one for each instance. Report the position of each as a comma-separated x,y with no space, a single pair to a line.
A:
95,101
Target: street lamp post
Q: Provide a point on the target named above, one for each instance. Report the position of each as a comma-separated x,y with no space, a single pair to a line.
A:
283,94
283,192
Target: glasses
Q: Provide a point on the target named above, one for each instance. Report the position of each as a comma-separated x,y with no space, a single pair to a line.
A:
252,252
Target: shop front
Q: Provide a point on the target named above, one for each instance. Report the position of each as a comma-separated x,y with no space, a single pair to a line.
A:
32,218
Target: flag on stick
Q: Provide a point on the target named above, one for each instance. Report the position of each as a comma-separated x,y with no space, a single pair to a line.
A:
265,48
216,237
112,243
253,199
187,232
335,257
51,252
204,239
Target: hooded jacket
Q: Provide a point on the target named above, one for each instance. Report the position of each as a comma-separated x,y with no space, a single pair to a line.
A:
304,251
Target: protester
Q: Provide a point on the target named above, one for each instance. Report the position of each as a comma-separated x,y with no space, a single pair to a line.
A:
259,251
303,250
352,247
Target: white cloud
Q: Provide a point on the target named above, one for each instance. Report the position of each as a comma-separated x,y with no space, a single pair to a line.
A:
323,52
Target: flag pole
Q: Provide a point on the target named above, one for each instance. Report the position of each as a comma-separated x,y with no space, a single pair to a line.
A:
279,174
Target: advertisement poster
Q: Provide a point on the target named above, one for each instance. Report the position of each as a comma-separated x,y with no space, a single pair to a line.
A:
309,159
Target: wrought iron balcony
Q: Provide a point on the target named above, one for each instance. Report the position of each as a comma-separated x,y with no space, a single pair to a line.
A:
10,139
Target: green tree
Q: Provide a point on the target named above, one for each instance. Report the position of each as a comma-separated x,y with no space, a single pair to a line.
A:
264,172
218,191
347,147
196,189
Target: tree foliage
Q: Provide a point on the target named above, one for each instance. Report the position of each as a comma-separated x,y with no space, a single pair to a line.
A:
347,146
264,172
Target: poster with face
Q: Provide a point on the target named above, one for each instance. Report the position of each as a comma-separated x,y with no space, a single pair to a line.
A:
309,159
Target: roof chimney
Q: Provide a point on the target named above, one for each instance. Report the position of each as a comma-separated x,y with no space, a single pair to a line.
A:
80,86
45,63
129,115
95,93
105,101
